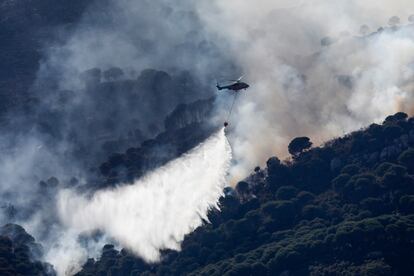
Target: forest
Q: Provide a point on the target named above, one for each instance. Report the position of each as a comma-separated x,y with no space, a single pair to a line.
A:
344,208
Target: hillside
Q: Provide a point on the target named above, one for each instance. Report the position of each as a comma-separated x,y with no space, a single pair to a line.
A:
346,208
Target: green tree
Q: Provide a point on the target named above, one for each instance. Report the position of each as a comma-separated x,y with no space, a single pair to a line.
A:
407,159
298,145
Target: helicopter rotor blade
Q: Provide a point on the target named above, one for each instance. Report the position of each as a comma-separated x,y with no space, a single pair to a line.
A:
239,79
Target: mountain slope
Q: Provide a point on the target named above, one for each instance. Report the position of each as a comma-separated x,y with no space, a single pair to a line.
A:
346,208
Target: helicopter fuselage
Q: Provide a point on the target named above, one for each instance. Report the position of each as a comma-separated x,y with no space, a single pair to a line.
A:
234,87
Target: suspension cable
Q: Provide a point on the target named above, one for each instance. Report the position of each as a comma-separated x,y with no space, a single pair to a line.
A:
232,105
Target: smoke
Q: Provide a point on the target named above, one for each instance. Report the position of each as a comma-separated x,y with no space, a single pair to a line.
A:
311,73
75,114
298,87
154,213
162,57
134,35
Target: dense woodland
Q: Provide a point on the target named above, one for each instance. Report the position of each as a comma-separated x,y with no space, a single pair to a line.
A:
345,208
18,253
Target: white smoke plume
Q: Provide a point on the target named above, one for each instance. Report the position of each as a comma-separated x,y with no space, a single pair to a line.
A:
154,213
302,88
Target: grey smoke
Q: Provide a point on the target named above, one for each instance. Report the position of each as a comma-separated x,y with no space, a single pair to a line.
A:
162,63
80,106
297,89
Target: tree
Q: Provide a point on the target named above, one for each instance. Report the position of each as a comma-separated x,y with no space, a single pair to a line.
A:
407,159
91,76
286,192
397,117
394,21
406,204
283,212
411,18
113,73
273,164
312,211
340,181
242,188
390,132
298,145
277,174
376,268
394,177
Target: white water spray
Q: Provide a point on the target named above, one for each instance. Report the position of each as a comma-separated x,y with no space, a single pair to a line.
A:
158,210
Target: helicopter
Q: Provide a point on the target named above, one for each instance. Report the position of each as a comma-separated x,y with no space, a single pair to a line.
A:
236,85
